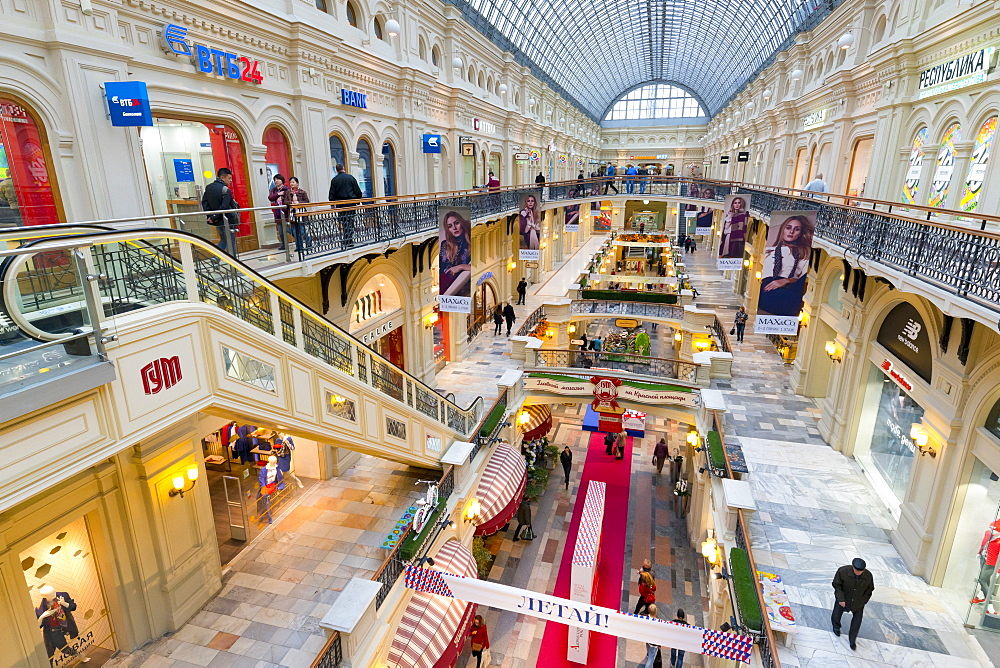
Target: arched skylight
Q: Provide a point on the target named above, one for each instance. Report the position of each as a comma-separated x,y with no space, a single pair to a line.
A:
655,101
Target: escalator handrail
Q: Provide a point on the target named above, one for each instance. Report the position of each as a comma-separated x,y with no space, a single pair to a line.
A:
72,242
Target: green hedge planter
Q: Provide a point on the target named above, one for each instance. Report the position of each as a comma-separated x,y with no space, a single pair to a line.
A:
716,454
745,586
616,296
492,420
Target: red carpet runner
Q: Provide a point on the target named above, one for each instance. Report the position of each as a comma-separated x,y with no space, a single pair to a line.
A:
615,473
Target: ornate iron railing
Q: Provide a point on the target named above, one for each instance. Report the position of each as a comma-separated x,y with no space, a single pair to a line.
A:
629,308
638,364
529,324
332,654
721,335
495,414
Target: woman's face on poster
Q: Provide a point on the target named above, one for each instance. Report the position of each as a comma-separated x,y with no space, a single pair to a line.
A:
453,225
530,202
739,204
791,231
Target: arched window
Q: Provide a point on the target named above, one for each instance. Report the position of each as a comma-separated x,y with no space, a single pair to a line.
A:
321,5
993,420
388,169
377,27
482,80
422,49
471,78
352,14
911,184
436,56
276,153
27,189
489,84
365,167
337,154
656,101
879,33
977,167
941,183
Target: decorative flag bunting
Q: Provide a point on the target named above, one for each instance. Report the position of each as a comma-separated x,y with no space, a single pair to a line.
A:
694,639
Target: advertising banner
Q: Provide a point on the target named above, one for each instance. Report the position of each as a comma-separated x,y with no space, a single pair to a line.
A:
703,223
455,265
735,221
573,218
730,646
128,103
786,263
529,226
584,568
647,393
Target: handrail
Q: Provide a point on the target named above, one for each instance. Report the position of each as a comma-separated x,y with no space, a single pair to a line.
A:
314,331
332,654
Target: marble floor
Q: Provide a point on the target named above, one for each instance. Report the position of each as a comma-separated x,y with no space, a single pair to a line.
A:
816,512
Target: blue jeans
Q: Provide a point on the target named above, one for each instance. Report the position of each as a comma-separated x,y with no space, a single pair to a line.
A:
651,651
629,186
677,658
301,234
642,187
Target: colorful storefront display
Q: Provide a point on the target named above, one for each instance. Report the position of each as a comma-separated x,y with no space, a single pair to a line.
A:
911,186
945,169
27,191
977,167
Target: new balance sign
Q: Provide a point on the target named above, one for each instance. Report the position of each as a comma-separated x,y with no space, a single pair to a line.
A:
161,374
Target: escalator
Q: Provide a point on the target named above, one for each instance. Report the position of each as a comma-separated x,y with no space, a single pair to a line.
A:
186,330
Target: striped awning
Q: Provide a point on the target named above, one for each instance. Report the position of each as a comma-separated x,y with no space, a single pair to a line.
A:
433,628
539,421
500,489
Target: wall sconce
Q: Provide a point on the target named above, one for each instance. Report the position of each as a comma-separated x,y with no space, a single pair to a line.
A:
702,344
759,275
512,266
337,400
545,244
571,329
693,438
555,237
921,439
678,337
833,351
746,263
431,319
549,333
178,490
804,318
710,549
472,511
523,417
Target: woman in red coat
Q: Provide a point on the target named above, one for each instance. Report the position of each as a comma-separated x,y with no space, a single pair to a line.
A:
479,638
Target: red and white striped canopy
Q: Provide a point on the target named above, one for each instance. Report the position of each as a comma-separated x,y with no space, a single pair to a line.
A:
433,627
500,489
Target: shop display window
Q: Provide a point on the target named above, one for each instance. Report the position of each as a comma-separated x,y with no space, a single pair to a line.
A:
859,166
337,154
365,168
911,185
944,171
276,154
977,167
971,575
64,583
388,169
182,157
27,191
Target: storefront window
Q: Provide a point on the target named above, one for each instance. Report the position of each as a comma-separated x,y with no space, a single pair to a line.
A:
888,455
276,155
971,576
182,157
799,180
65,587
977,167
365,168
911,186
388,169
337,154
945,169
859,167
27,191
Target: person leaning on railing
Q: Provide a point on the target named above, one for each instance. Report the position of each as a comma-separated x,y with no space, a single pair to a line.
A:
343,186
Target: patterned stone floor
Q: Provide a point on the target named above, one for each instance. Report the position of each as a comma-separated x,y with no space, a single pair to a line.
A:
278,588
816,512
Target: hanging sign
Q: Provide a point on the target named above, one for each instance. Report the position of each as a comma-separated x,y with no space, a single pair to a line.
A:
786,265
724,160
628,390
468,149
128,103
432,143
588,616
535,156
743,156
522,156
904,335
209,60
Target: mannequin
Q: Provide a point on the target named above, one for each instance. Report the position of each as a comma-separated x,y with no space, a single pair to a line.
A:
55,618
283,446
989,550
271,480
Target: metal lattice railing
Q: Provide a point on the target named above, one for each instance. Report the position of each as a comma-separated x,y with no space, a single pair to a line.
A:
629,308
332,654
638,364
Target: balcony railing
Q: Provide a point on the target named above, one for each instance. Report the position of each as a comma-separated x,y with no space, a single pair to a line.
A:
638,364
529,324
627,308
332,654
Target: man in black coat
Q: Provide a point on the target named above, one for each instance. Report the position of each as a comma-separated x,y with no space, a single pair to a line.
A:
218,196
344,187
853,586
509,315
522,290
523,518
566,459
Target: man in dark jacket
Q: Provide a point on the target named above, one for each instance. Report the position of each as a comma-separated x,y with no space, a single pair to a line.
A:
523,518
566,459
508,315
218,196
540,179
345,187
853,586
522,290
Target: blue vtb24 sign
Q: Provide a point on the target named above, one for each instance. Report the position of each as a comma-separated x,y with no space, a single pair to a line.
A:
209,60
128,103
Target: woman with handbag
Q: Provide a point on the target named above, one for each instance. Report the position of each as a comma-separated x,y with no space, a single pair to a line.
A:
479,639
647,592
740,324
296,195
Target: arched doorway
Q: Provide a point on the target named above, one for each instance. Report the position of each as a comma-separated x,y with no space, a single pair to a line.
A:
377,318
365,168
27,187
388,169
483,305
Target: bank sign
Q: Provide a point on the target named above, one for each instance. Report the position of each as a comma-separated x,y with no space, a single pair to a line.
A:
963,71
210,60
128,103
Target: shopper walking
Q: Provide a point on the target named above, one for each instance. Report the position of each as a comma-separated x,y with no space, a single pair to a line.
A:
540,179
276,196
522,291
508,315
479,639
660,455
677,655
343,186
741,323
647,592
610,182
523,519
566,459
853,586
218,196
296,195
651,650
497,320
620,446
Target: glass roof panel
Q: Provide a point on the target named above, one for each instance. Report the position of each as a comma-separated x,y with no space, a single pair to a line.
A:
593,52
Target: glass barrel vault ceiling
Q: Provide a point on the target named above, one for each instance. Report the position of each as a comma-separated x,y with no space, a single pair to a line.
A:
594,52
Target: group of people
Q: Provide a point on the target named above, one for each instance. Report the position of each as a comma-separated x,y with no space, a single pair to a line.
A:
500,315
647,604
